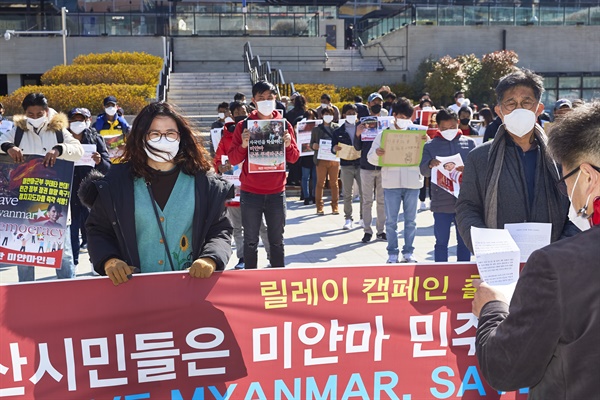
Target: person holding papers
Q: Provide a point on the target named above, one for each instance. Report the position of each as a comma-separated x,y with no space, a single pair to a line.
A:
401,185
547,339
323,133
95,153
262,193
513,179
448,141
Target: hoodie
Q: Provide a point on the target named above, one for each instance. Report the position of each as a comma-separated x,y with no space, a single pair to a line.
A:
266,182
224,144
43,141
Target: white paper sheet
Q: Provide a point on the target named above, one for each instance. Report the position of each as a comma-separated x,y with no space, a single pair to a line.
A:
86,159
497,256
325,151
530,236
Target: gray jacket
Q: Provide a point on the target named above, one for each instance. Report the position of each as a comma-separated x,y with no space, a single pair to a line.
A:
441,200
548,339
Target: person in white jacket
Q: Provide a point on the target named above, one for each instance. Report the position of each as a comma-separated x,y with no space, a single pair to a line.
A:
44,133
401,185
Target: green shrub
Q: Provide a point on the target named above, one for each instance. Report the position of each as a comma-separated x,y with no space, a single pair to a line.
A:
132,98
91,74
119,57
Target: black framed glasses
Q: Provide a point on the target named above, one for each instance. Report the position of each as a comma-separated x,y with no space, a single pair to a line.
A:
171,135
561,185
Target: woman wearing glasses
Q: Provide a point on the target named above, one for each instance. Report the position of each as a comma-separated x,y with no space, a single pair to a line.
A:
547,339
160,210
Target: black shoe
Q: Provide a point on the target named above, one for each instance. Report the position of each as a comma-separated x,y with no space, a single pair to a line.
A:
367,238
306,202
381,236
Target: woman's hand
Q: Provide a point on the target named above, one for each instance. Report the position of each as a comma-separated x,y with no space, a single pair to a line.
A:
118,271
202,268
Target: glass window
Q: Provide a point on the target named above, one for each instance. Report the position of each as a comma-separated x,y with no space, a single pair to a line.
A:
549,98
591,94
571,94
569,82
550,82
591,81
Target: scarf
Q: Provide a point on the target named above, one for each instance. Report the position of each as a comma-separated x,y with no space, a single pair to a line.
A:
548,206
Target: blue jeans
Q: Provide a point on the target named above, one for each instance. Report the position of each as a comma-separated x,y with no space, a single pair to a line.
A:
253,207
308,190
67,268
441,229
409,199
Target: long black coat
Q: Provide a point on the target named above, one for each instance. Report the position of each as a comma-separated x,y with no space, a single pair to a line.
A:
111,224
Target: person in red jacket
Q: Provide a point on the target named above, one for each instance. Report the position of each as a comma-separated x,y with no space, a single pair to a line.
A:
262,193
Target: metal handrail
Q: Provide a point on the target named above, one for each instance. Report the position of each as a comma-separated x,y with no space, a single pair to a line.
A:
165,75
262,71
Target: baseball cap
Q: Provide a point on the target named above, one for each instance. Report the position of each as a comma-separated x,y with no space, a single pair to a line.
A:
81,111
110,99
563,103
374,96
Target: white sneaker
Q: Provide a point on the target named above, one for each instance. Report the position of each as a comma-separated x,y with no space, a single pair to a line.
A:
423,206
360,223
408,258
347,225
392,259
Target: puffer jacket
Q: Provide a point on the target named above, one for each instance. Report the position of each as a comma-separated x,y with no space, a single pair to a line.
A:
44,141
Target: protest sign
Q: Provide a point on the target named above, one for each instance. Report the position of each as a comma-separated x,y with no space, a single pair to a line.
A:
266,151
325,153
446,174
370,126
215,137
364,332
115,142
303,133
348,152
403,148
86,159
34,202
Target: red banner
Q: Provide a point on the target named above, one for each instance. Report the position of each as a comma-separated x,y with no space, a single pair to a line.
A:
384,332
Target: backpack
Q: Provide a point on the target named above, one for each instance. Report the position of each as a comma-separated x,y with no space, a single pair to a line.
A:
19,136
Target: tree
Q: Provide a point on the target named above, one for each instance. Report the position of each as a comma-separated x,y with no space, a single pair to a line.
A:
448,76
493,67
418,81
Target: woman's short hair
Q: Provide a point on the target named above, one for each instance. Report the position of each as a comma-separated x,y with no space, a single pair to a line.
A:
192,156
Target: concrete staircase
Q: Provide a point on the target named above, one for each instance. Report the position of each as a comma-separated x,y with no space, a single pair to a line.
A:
198,94
350,60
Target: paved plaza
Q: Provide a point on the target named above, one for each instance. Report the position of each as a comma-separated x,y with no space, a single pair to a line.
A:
310,240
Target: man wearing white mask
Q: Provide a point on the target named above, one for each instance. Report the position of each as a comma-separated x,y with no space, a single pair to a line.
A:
447,141
459,101
42,131
262,193
112,127
79,126
513,179
325,103
401,186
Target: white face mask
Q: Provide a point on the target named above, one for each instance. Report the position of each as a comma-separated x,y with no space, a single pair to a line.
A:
327,118
351,119
77,127
110,111
403,123
460,100
167,150
229,119
520,122
579,218
88,123
449,134
323,105
221,115
266,107
37,122
427,109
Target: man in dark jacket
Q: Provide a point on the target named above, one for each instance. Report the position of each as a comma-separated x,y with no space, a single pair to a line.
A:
350,168
448,141
513,179
80,127
547,340
112,127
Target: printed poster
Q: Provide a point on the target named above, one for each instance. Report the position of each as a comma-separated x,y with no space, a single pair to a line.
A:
215,137
371,127
233,176
34,202
403,148
266,152
303,133
448,174
325,151
115,142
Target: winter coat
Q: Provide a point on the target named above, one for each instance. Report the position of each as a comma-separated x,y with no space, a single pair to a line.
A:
441,200
340,135
111,225
89,136
44,141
